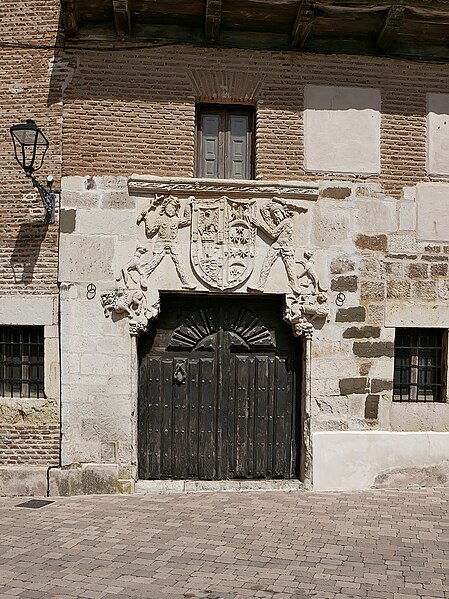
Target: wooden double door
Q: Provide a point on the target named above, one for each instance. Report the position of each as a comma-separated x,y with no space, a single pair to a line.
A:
218,390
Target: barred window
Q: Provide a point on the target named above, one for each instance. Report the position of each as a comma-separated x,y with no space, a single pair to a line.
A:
418,365
21,361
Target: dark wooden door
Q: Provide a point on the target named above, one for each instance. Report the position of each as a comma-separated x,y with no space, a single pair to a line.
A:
218,391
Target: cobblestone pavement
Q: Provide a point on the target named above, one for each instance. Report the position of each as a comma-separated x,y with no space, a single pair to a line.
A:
385,545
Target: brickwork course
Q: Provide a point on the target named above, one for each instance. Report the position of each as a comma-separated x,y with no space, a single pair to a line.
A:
134,111
28,247
29,444
279,545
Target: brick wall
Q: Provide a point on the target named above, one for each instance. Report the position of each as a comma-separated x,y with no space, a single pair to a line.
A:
29,444
28,89
133,111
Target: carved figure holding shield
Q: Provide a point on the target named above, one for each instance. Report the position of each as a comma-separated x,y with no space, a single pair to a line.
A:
278,226
166,225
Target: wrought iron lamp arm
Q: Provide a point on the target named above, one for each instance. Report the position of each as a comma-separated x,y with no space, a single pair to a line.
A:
48,197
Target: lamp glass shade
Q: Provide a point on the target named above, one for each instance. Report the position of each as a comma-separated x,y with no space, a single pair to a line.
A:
30,145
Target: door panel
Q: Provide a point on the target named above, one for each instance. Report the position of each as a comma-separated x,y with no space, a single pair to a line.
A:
223,405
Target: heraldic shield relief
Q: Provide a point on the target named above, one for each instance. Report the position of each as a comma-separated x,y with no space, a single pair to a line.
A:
223,241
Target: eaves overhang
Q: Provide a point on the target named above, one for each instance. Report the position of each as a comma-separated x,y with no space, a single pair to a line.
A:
415,29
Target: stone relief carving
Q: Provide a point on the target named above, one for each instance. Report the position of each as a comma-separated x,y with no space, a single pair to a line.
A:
164,218
222,248
133,303
222,242
301,310
308,279
278,226
133,267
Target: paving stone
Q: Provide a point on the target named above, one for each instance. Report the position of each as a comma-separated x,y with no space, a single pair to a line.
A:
285,545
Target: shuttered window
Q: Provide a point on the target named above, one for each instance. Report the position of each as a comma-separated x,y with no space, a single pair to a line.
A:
225,142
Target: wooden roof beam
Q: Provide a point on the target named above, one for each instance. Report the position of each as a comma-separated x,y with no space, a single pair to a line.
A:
70,17
213,19
303,23
122,17
391,25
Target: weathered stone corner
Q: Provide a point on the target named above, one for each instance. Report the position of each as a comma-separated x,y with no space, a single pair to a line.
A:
88,479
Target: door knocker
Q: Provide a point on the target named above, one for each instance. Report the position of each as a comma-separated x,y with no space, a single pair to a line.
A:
179,375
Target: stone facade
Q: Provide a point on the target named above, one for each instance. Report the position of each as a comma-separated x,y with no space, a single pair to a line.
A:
366,201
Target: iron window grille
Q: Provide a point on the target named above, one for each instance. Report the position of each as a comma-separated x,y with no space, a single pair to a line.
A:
22,361
419,373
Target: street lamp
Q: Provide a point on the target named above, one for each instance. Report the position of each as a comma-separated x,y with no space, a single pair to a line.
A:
30,147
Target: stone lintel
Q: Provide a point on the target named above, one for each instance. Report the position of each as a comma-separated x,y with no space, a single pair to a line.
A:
142,185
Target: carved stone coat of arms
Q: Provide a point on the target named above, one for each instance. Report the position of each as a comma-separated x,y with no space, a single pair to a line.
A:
223,241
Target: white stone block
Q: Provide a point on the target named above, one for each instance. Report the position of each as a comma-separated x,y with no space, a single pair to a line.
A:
407,216
416,314
107,406
382,367
74,451
352,460
85,258
432,201
105,429
342,129
73,183
409,193
419,417
94,364
105,222
51,370
376,216
332,226
28,310
403,244
438,134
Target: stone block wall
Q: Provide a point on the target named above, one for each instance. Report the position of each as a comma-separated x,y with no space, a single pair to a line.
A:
99,375
385,277
380,238
379,275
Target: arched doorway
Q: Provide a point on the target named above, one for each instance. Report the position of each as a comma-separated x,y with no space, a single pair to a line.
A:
219,386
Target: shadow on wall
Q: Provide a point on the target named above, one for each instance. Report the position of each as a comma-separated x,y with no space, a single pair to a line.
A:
26,251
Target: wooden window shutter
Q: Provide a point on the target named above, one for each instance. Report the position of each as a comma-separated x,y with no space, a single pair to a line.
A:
237,149
224,142
210,141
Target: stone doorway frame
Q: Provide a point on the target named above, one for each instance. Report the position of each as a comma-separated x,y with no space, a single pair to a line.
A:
305,443
142,305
